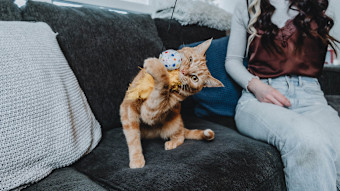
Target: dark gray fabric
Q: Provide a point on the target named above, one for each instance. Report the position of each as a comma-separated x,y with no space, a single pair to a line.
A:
178,34
330,80
65,179
334,101
104,49
9,11
230,162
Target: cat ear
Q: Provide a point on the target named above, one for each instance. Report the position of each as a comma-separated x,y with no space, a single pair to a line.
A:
212,82
203,47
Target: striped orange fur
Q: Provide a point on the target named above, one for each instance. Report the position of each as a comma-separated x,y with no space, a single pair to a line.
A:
159,114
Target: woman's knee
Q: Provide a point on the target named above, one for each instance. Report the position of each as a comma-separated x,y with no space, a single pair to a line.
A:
248,113
307,148
253,122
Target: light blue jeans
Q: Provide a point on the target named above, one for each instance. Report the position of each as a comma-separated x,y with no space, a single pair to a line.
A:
307,134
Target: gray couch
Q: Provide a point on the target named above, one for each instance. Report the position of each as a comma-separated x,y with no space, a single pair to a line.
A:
104,50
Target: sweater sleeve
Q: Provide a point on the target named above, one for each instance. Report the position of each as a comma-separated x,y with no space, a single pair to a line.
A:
237,46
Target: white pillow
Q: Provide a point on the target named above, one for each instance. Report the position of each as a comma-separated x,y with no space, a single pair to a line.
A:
193,12
45,120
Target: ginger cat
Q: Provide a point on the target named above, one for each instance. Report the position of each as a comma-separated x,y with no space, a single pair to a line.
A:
159,114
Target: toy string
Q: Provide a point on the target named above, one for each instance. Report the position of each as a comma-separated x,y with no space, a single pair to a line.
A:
173,10
170,21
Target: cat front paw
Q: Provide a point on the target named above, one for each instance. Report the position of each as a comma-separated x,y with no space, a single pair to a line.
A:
209,134
172,144
169,145
137,162
154,67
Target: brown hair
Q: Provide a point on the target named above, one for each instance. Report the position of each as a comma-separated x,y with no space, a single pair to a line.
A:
308,11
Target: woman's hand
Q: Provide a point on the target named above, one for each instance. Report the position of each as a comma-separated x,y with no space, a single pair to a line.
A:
266,93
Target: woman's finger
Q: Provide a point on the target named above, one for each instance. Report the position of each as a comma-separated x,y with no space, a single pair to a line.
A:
282,99
275,101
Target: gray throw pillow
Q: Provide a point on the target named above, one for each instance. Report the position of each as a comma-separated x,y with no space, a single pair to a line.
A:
45,120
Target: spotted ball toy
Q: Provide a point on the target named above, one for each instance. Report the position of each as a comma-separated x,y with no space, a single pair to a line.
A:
171,59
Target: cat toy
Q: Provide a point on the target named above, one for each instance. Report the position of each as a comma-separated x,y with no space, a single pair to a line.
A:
172,61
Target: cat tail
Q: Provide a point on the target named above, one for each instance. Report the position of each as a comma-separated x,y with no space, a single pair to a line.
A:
198,134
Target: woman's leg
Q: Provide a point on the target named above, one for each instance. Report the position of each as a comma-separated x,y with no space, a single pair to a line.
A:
307,152
328,119
315,108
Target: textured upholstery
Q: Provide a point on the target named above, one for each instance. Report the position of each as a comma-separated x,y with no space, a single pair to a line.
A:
66,179
230,162
334,101
175,34
330,80
9,11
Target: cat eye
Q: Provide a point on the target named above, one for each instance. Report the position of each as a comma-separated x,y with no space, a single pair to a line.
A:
195,78
190,59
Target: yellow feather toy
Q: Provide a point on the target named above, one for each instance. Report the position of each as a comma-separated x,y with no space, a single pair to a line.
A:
142,89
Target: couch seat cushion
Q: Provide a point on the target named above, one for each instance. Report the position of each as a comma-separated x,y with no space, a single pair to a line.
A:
230,162
66,179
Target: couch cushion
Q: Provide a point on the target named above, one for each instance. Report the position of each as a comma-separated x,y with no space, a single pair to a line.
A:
230,162
66,179
334,101
103,48
177,34
330,80
9,11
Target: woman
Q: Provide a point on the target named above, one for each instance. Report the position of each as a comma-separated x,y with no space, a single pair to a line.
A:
282,103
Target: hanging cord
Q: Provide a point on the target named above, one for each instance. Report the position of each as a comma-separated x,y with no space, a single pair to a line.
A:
173,10
169,23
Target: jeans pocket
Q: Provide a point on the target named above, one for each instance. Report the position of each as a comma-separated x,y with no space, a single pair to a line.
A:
246,96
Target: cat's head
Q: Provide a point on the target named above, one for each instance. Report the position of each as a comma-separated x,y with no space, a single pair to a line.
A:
194,74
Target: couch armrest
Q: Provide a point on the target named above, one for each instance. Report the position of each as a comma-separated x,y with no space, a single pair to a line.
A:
330,80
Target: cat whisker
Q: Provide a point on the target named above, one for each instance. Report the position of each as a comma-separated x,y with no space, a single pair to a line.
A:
186,87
